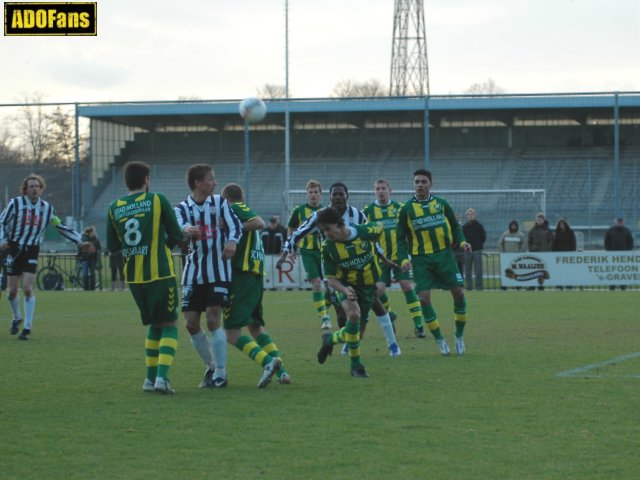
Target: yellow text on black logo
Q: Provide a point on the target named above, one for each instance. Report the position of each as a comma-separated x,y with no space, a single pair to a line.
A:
70,18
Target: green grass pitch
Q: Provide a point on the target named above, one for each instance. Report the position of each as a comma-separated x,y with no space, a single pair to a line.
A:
548,389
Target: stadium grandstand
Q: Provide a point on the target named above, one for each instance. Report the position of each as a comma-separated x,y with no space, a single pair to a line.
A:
572,155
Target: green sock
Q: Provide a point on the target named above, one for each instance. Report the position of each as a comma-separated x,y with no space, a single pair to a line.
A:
352,337
432,322
252,350
318,302
167,350
151,351
413,304
266,343
460,314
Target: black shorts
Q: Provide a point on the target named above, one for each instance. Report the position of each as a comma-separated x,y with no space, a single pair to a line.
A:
197,297
21,259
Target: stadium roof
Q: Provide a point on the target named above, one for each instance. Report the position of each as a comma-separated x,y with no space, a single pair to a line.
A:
147,114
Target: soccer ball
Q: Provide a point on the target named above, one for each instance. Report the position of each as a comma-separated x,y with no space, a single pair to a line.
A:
252,110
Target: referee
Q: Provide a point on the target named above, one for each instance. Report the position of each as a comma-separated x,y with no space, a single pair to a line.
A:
22,226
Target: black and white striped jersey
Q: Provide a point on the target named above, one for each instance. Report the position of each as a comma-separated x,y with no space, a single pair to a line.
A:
351,216
218,225
25,223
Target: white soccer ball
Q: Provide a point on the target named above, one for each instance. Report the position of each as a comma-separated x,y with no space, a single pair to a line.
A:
252,110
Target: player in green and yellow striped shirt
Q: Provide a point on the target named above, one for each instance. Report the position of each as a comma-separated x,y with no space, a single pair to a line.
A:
427,231
351,266
385,210
309,249
245,309
144,227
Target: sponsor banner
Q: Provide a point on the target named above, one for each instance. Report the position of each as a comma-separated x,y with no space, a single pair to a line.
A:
292,275
528,269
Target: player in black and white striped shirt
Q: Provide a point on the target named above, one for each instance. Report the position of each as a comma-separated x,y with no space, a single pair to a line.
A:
214,231
23,224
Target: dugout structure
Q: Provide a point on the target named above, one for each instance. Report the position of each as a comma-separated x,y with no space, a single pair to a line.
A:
582,149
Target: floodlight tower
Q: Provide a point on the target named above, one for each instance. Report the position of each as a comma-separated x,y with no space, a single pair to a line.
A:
409,68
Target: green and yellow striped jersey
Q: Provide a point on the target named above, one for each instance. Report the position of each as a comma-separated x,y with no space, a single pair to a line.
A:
388,215
354,262
297,218
426,227
249,256
144,227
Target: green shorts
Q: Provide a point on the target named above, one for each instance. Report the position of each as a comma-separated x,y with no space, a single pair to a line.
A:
312,263
436,270
157,301
245,306
365,295
398,274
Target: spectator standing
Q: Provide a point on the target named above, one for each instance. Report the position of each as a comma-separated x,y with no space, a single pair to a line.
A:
618,238
564,239
90,261
116,266
274,236
512,240
540,238
475,234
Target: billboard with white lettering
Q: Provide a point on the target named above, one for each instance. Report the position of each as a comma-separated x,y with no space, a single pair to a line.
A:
528,269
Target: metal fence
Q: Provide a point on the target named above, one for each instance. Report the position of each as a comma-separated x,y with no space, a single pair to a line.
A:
68,272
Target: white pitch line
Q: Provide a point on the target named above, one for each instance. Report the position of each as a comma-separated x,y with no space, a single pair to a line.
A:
593,366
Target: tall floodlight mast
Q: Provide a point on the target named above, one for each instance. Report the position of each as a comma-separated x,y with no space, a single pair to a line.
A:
409,67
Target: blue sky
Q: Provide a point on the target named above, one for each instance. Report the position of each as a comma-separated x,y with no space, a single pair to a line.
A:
163,50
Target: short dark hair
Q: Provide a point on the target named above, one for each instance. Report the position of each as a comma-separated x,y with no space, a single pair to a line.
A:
339,184
197,172
135,174
233,192
423,171
329,216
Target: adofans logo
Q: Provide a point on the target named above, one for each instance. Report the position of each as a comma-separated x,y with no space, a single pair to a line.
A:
527,267
72,18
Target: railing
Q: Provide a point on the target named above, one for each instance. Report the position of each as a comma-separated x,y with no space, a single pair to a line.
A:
68,266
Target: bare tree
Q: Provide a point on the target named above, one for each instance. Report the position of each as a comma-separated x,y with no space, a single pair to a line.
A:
62,136
489,86
271,91
353,88
33,123
8,151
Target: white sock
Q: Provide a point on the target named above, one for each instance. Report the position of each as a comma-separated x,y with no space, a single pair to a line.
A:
219,346
15,307
200,342
387,328
29,308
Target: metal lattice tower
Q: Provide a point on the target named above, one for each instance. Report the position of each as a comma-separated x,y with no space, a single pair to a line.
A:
409,68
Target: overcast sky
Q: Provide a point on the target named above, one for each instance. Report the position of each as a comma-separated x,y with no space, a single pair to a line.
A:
214,49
